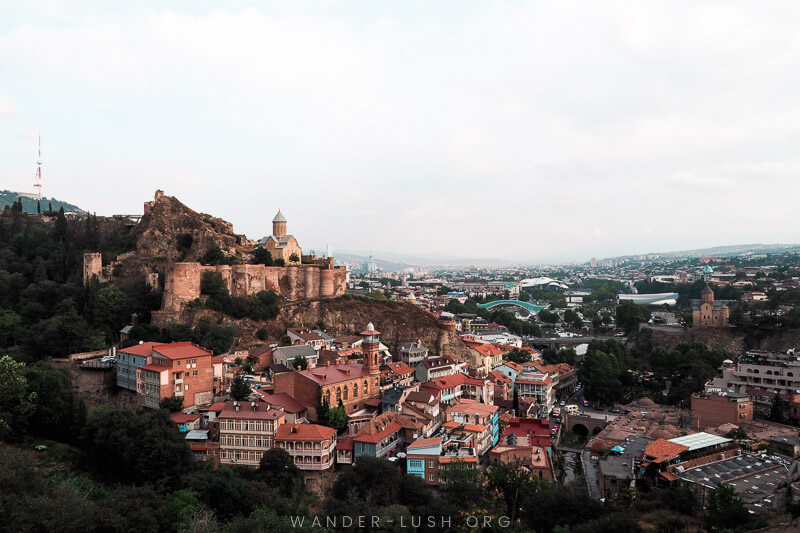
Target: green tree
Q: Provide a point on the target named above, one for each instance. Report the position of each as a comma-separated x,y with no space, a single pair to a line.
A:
630,315
337,418
279,469
725,509
294,258
518,356
17,403
213,256
300,362
111,308
173,404
59,413
261,256
212,284
778,411
136,448
548,317
262,334
240,388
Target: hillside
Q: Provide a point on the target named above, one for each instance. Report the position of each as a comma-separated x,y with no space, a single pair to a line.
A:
29,204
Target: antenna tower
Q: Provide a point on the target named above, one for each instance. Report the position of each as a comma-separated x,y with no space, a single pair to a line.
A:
37,182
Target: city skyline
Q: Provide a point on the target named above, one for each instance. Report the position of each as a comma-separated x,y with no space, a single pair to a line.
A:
516,132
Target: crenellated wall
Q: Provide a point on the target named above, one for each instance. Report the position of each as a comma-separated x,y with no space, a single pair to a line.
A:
182,282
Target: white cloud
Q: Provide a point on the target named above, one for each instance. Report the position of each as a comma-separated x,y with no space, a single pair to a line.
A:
8,110
519,123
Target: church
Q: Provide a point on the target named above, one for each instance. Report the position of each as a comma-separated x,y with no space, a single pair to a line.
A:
281,245
706,311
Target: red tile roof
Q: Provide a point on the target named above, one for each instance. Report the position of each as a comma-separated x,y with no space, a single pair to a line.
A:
281,399
246,411
155,368
661,450
345,443
311,432
145,348
182,418
325,375
513,365
378,436
452,381
475,427
472,407
400,368
181,350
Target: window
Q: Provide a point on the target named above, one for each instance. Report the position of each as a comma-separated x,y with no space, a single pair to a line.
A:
430,477
194,373
416,463
345,392
355,390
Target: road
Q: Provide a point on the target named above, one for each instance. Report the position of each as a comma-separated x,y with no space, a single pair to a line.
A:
590,473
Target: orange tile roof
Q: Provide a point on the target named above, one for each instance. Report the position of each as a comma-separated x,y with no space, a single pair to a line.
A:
663,450
489,350
182,418
513,365
452,381
472,407
425,443
451,424
311,432
667,475
475,427
345,443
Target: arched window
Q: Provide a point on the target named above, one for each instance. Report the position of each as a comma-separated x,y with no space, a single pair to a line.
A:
338,394
328,396
345,393
355,390
366,387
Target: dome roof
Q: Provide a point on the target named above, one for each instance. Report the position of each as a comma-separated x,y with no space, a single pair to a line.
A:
707,269
646,402
279,217
707,290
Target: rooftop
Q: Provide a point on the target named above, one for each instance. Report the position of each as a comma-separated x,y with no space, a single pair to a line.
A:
304,432
696,441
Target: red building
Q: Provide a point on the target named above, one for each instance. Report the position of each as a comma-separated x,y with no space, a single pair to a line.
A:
179,369
312,447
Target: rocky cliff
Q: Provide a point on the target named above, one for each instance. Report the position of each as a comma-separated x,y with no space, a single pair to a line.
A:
734,340
399,323
170,230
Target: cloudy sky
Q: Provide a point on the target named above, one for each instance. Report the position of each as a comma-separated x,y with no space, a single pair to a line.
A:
533,131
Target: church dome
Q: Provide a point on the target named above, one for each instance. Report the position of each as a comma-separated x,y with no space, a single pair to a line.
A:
279,217
707,269
707,290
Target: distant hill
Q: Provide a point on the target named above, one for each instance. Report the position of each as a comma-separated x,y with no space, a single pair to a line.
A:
29,204
725,251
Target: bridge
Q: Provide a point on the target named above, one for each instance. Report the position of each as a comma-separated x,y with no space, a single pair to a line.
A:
507,304
584,424
558,342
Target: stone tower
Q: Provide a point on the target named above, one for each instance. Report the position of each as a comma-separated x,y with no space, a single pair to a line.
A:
370,348
707,295
279,225
92,266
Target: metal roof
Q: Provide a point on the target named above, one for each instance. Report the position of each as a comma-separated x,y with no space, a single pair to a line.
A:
696,441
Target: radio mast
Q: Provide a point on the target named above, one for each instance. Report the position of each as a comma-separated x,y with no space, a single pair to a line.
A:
37,182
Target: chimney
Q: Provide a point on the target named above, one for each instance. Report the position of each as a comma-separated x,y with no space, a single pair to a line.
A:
253,405
293,429
236,405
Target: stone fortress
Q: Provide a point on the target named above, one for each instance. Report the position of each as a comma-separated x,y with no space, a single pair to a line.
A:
314,278
301,277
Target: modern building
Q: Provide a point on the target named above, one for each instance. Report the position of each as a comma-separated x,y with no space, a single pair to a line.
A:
710,410
179,369
247,430
480,417
129,360
311,446
285,355
436,367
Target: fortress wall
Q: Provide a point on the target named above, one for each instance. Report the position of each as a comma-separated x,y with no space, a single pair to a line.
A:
182,282
311,282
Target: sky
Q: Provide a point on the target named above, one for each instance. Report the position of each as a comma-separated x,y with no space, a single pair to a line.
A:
528,131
